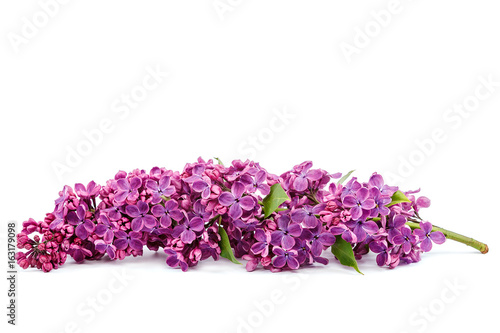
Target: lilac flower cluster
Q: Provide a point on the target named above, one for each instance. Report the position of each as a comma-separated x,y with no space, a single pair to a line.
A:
184,212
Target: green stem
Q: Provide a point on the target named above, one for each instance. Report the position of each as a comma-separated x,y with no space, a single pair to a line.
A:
483,248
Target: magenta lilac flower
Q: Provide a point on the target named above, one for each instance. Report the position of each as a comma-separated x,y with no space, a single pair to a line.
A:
240,212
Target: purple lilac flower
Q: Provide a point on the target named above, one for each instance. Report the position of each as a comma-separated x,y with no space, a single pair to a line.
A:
79,253
124,240
362,228
346,233
59,220
127,189
175,259
377,181
406,239
318,239
301,182
307,214
163,188
285,258
257,183
381,202
359,202
103,246
286,232
203,187
396,222
167,213
141,218
105,229
187,230
86,192
263,242
235,201
426,236
83,226
383,257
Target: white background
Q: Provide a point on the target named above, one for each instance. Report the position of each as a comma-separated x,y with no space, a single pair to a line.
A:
229,74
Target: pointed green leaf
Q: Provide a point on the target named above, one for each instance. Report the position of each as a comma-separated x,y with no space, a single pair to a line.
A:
274,199
343,179
344,253
398,197
219,161
225,247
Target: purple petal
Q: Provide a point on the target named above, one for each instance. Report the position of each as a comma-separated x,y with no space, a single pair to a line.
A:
152,185
135,244
437,237
426,227
314,174
149,221
226,199
199,185
362,194
300,183
133,211
188,236
426,245
235,211
120,196
100,245
298,215
287,242
123,185
368,204
135,182
292,263
370,227
316,248
310,221
158,210
143,207
165,221
295,230
137,224
399,221
258,247
260,235
326,239
349,201
279,261
81,232
121,243
247,203
197,224
108,236
237,189
382,259
356,212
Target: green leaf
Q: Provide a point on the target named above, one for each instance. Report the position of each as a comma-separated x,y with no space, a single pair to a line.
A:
398,197
225,247
344,253
274,199
219,161
343,179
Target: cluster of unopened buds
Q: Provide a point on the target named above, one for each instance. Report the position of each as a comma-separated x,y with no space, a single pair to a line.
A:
239,211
